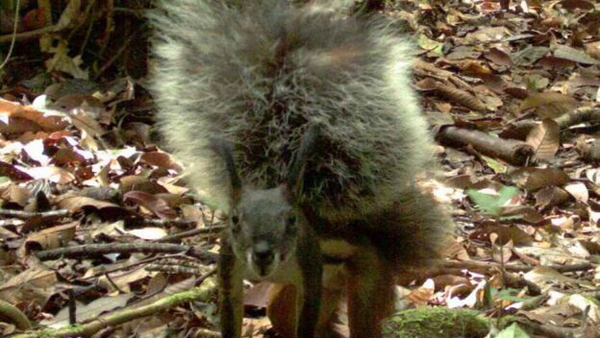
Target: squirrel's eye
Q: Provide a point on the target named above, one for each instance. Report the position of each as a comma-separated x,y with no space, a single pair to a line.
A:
291,220
235,219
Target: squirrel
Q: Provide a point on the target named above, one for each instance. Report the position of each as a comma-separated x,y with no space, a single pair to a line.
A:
268,239
301,116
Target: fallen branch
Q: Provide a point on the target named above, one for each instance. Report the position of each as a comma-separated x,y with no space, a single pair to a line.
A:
580,115
520,129
512,151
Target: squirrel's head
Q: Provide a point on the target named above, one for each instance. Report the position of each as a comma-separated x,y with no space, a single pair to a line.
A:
264,225
263,229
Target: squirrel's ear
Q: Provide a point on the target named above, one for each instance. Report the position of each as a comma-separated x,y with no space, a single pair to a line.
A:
298,166
223,149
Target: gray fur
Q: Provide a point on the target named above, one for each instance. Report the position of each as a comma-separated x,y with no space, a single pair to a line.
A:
258,77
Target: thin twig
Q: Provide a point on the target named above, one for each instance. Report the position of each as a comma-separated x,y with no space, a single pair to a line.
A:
207,231
14,34
514,267
117,54
125,248
128,266
30,214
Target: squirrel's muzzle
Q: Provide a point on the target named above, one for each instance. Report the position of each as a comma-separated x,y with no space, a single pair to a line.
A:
263,257
263,253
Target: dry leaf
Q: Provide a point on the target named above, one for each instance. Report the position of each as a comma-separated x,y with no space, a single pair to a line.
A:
578,190
582,303
454,94
77,203
487,34
148,233
504,234
121,280
139,183
28,118
542,275
572,5
498,56
13,172
160,159
536,178
154,204
30,285
16,194
51,238
575,55
422,295
88,311
50,173
550,196
549,105
544,139
529,55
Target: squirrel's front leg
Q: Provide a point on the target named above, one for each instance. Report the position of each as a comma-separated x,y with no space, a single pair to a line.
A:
230,274
310,262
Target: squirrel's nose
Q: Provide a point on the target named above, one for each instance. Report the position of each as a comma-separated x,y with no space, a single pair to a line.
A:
263,254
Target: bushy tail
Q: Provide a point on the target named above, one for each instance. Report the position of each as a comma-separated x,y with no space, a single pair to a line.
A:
257,75
413,233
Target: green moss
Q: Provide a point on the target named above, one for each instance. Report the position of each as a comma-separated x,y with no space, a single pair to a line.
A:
436,322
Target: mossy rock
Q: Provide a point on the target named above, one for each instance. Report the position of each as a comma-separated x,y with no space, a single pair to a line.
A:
436,322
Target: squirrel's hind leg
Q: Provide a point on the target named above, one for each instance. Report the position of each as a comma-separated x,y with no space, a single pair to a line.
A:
370,292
